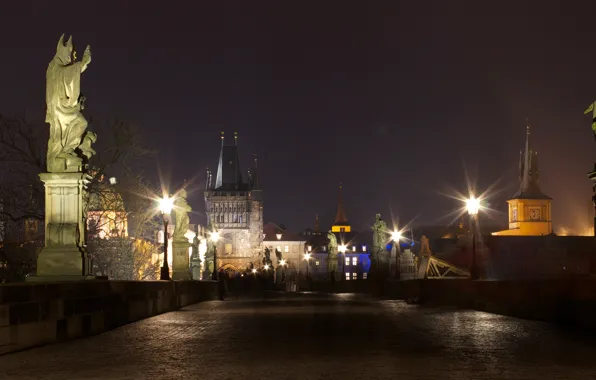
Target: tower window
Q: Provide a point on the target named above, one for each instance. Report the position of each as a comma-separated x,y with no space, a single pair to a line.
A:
354,261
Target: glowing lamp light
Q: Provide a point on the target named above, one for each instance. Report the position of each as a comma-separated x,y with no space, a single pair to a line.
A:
266,266
342,248
282,262
165,205
307,256
215,236
396,235
254,271
473,205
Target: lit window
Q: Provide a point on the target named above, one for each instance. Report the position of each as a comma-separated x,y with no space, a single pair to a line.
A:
317,262
354,249
354,276
364,275
286,248
324,249
354,261
363,248
347,261
347,276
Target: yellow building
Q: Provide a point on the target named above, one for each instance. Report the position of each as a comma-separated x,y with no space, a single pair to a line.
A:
529,209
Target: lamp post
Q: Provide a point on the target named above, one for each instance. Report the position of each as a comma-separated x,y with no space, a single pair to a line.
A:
214,239
473,206
307,258
282,263
342,248
165,206
396,236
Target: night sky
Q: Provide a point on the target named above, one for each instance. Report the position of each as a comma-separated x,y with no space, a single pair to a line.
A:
394,99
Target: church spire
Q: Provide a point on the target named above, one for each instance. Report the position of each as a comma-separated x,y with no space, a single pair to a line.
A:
341,221
317,228
228,170
340,218
529,172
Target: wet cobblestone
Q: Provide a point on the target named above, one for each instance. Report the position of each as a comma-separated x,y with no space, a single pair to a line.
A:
315,337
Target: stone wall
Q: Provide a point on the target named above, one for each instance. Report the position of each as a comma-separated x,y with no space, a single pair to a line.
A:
33,314
567,301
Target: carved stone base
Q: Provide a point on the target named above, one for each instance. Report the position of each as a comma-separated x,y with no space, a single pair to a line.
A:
180,267
63,254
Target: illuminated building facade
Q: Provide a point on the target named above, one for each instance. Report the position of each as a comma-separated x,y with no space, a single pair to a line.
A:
106,215
353,259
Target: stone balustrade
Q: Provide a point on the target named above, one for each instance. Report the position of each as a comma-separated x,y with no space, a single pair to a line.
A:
33,314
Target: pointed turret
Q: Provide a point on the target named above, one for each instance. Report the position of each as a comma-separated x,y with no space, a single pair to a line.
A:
228,169
340,217
317,227
254,182
341,221
529,173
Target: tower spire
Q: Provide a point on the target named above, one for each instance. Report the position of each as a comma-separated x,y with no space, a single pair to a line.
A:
528,171
317,229
340,218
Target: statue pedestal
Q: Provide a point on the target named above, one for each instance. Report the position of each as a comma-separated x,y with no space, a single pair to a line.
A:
180,267
63,257
332,268
195,268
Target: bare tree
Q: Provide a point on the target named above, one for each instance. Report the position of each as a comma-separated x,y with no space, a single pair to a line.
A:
121,153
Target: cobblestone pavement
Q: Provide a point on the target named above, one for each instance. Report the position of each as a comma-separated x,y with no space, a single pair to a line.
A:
315,337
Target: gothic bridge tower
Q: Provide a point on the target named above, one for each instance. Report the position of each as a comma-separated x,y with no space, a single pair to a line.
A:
235,209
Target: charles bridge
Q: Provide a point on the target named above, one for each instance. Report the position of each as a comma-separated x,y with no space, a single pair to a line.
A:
274,334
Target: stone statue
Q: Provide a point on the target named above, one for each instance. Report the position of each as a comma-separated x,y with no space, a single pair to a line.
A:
69,143
267,258
278,255
424,247
195,248
332,247
379,234
181,210
592,109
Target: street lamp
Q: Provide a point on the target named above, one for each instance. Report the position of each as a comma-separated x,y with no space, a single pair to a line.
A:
473,206
396,236
165,206
266,267
214,239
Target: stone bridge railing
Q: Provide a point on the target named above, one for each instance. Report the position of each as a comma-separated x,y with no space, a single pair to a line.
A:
567,300
33,314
